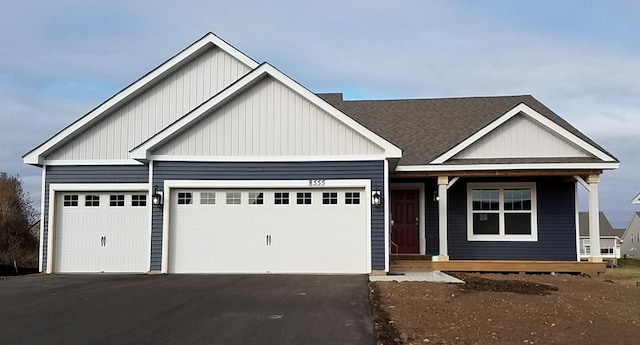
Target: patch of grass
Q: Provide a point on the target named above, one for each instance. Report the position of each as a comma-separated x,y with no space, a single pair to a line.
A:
627,272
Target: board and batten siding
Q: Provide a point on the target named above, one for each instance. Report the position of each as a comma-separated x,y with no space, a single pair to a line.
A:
556,225
372,170
521,137
269,119
86,174
154,109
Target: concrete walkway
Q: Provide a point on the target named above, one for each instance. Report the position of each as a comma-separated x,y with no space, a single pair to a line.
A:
433,276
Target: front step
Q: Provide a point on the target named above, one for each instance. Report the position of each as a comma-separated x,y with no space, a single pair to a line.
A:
410,263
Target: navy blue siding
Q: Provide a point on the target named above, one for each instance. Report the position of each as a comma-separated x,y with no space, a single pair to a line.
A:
431,223
86,174
556,225
371,170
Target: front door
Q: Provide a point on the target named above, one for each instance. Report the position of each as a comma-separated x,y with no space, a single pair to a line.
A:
404,212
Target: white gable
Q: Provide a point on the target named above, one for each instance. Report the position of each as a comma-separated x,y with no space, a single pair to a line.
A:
268,119
521,137
154,109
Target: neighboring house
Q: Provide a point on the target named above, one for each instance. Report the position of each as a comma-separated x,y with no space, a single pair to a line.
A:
214,163
631,239
609,238
636,199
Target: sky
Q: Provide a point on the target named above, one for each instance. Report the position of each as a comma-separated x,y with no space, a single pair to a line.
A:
61,59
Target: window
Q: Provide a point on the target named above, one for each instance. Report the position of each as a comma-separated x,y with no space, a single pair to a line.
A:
501,212
70,200
606,251
139,200
281,198
116,200
91,200
586,247
207,198
185,198
234,198
329,198
303,198
256,198
352,198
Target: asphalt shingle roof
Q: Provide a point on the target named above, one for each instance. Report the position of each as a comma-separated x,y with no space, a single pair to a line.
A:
426,128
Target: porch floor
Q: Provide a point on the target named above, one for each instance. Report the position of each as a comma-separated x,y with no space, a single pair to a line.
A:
423,263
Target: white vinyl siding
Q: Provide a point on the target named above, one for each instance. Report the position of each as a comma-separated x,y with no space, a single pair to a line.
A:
521,137
154,109
269,120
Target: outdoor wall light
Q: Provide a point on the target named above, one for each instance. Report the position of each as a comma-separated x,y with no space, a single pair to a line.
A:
156,197
435,196
376,198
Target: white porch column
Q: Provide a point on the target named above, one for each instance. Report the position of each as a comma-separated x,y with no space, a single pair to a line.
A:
594,218
443,181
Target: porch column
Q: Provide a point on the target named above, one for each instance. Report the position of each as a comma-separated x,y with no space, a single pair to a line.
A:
594,218
443,181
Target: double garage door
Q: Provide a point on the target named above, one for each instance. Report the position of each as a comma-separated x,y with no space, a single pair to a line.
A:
267,230
101,232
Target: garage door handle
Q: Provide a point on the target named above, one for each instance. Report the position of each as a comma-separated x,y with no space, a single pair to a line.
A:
268,240
103,241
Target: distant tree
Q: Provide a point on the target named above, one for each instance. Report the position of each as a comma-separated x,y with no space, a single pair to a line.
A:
17,243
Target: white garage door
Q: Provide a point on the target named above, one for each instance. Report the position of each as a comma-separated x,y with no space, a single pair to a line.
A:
269,230
101,232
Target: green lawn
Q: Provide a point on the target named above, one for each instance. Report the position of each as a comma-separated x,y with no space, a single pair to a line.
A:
627,272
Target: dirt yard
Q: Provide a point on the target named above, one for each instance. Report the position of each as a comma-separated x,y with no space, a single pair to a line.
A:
508,309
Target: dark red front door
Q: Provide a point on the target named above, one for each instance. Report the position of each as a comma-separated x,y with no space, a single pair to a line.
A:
404,212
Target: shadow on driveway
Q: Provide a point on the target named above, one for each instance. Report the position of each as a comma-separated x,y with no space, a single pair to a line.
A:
186,309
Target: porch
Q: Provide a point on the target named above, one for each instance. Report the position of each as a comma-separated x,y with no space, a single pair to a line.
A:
424,263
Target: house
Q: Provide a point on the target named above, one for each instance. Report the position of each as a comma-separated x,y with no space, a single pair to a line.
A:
214,163
610,239
630,247
636,199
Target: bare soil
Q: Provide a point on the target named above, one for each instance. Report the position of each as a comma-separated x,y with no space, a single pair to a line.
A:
507,309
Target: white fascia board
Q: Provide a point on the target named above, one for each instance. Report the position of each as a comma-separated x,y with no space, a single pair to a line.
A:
267,158
143,151
356,183
636,199
525,109
484,167
94,162
35,156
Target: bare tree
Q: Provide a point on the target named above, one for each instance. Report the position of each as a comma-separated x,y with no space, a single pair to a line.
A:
17,243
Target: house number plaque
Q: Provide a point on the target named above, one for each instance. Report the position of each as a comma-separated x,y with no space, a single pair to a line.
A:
316,183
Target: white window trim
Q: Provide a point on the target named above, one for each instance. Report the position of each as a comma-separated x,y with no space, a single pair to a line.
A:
533,237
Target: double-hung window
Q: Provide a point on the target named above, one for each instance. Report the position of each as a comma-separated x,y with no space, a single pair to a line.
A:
501,212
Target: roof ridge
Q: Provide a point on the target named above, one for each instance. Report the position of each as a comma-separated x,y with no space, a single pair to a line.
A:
434,99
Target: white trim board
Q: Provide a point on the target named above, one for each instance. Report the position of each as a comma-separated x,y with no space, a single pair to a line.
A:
251,184
543,120
79,187
484,167
36,156
144,150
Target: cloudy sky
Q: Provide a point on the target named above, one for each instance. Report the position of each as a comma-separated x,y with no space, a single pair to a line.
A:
581,58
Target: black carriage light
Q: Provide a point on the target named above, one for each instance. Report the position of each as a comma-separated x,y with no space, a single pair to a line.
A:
376,198
156,197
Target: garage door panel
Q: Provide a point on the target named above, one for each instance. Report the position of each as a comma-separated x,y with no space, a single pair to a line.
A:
99,237
267,237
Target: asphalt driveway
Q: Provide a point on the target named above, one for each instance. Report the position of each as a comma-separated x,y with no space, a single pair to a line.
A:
185,309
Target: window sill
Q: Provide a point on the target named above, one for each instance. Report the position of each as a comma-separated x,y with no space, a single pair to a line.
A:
503,238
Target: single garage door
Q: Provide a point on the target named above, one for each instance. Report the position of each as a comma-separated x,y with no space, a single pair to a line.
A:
268,230
101,232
